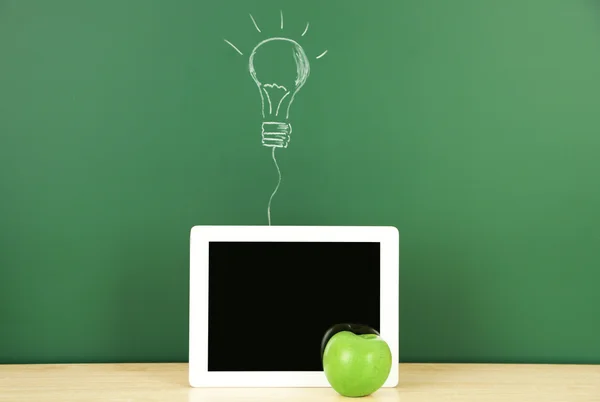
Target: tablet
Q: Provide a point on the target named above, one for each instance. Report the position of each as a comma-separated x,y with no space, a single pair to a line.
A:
263,297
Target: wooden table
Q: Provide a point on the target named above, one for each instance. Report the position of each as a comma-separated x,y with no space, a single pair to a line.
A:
418,383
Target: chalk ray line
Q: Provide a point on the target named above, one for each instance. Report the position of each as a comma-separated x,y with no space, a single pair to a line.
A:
233,46
305,30
255,24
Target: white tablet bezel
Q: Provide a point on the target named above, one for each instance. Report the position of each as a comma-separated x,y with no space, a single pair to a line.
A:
200,236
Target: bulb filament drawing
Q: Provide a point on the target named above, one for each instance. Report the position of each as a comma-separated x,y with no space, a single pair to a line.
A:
277,87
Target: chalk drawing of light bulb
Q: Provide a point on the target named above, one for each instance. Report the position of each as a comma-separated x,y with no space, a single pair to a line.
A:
280,67
277,97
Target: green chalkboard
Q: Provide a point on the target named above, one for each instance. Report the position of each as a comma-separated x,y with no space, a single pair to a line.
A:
472,126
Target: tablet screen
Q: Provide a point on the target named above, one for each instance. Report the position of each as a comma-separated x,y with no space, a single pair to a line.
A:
270,303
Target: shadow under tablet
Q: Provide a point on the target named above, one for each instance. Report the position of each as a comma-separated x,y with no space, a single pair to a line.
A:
270,303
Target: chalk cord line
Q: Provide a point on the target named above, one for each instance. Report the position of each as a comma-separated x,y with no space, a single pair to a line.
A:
276,187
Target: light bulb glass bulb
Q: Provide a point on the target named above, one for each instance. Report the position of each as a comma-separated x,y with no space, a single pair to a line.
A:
279,68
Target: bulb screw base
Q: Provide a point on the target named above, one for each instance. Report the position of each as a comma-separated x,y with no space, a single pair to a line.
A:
276,134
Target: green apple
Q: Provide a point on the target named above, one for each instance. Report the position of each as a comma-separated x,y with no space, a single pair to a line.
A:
356,364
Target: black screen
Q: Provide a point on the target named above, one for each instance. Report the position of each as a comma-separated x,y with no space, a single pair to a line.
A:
270,303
